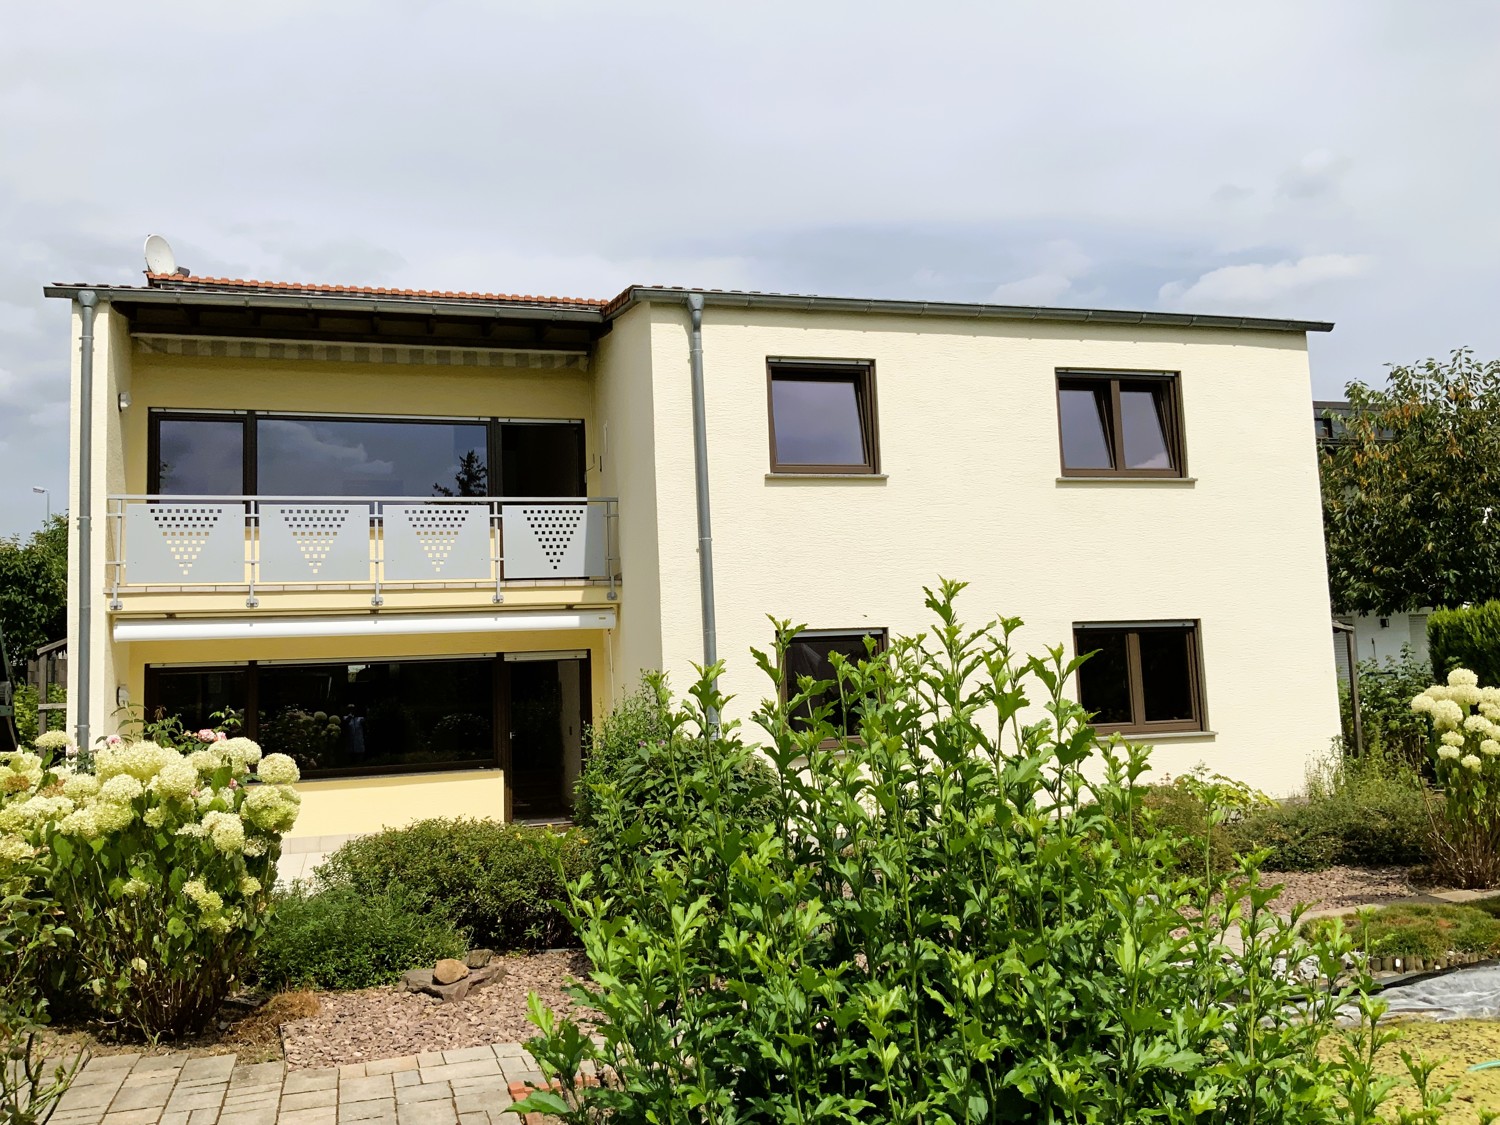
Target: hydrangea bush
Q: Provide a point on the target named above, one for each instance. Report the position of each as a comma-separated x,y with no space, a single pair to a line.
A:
161,863
1465,744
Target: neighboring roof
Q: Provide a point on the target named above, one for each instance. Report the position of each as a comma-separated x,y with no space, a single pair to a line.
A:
178,289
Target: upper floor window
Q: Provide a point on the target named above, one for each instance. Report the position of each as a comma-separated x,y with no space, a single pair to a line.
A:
810,654
1142,678
1118,424
288,455
822,417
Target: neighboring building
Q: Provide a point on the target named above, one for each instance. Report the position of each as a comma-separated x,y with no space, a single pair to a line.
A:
1376,637
422,539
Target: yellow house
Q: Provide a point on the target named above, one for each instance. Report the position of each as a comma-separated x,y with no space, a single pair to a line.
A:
421,539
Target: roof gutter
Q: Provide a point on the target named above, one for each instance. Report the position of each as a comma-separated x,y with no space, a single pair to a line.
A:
492,310
944,309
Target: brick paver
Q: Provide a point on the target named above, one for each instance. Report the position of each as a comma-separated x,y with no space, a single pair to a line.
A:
469,1086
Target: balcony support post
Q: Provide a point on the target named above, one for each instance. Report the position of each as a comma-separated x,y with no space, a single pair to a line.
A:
87,300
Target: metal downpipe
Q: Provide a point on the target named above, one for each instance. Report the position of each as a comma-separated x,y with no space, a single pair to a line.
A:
700,467
87,299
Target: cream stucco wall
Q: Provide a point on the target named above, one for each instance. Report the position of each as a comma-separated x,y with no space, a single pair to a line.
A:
969,443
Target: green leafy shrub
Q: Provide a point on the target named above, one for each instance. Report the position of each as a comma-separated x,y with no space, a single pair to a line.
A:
1391,729
27,697
1466,637
159,864
1418,930
942,921
1368,811
633,789
340,938
496,882
1194,812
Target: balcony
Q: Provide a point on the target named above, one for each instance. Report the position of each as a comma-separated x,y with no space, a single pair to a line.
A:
290,544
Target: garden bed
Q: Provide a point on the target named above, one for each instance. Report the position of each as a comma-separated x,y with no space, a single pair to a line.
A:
389,1021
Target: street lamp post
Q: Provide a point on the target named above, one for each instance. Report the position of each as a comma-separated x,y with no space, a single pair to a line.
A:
47,492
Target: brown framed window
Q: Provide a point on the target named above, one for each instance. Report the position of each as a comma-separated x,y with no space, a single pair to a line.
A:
1141,678
809,655
822,417
1120,424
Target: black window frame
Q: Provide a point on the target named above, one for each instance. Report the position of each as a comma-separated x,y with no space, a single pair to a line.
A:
1109,383
859,372
789,688
1138,724
249,420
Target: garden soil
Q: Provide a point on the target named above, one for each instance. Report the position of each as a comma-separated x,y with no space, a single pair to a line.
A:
1461,1044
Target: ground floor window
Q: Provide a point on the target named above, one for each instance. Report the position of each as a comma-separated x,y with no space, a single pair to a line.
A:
523,712
1141,677
810,654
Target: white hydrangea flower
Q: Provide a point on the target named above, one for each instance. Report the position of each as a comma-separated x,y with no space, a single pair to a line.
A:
135,888
242,752
194,829
1478,724
1446,714
1471,762
278,769
80,786
52,740
1422,704
200,896
14,849
1436,692
226,830
37,810
23,771
1489,747
1449,753
110,817
1452,738
141,760
121,789
80,822
249,885
205,761
1465,694
176,781
271,808
154,817
1462,677
255,847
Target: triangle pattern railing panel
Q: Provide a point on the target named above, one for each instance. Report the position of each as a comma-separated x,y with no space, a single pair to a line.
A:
315,542
176,543
445,542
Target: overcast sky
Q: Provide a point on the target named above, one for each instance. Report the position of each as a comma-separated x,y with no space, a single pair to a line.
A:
1329,160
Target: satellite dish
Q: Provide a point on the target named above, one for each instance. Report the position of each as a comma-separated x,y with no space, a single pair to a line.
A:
159,256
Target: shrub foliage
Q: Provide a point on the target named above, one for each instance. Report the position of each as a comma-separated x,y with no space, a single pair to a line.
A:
497,883
340,938
941,921
1467,637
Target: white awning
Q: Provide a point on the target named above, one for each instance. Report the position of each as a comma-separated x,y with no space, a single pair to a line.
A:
358,625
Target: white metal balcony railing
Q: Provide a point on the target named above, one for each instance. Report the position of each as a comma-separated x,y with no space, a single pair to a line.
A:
299,542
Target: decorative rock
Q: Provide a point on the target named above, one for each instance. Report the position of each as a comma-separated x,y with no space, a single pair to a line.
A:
423,980
479,958
449,971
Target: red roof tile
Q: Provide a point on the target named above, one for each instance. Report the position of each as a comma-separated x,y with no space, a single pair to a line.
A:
177,281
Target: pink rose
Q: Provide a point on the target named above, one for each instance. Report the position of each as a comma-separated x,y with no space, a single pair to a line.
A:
206,735
112,740
220,736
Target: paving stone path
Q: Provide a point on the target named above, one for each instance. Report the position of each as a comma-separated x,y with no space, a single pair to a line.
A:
470,1086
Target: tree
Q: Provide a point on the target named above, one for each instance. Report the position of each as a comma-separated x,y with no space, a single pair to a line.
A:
34,590
1411,491
470,478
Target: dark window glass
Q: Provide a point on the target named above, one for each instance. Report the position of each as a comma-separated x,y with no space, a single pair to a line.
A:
1125,424
200,457
809,656
1140,679
541,459
1166,675
355,717
195,695
351,457
1104,679
1144,429
822,421
1085,428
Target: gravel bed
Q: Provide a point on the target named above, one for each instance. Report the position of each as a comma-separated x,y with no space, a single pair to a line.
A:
1340,887
388,1022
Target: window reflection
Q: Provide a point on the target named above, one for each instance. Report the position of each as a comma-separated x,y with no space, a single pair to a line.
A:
350,457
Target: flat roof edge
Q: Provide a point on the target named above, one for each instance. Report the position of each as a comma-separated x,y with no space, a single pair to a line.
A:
730,299
382,303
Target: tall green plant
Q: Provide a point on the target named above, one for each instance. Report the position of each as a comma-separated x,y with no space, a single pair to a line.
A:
944,920
1466,637
1465,739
